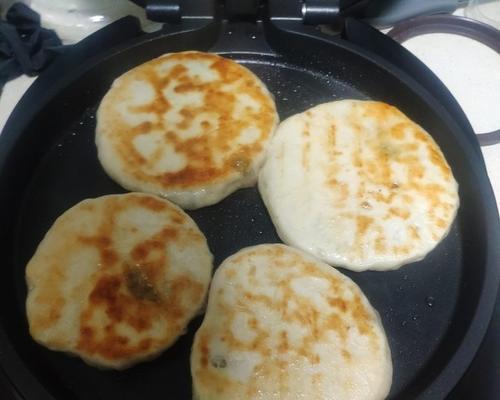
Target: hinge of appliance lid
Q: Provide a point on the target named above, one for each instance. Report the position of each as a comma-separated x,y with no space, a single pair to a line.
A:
319,12
175,11
315,12
164,10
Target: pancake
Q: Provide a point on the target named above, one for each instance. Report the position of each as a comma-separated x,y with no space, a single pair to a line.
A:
116,279
280,324
359,185
192,127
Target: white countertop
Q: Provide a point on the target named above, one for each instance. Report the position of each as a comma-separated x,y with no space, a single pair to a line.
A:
469,69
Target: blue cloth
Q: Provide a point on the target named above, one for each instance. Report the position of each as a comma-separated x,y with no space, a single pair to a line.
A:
25,47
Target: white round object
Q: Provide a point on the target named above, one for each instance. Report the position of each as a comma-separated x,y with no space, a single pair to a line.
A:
282,325
469,69
117,279
192,127
359,185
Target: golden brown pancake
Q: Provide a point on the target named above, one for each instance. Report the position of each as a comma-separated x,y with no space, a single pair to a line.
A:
359,185
280,324
192,127
117,279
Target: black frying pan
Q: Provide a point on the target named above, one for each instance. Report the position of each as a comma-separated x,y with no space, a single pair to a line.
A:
435,311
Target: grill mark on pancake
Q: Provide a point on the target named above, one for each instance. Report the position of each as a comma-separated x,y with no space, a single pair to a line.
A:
389,149
150,255
415,172
362,225
346,355
438,160
384,154
380,111
413,231
359,164
333,136
307,126
380,246
103,244
398,130
283,378
139,312
337,320
155,157
340,191
380,240
160,104
306,150
363,320
305,155
112,208
201,166
397,212
435,154
50,297
230,273
403,249
440,222
338,303
283,346
316,379
115,346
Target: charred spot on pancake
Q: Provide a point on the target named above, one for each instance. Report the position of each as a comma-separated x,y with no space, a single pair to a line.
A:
218,361
139,285
346,355
366,205
240,164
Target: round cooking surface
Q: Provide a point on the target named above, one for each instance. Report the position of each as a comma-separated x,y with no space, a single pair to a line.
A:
427,308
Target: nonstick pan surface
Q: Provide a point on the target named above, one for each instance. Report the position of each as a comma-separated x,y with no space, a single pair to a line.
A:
434,311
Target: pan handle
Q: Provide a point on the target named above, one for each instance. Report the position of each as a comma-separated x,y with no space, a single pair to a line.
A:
369,38
161,10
